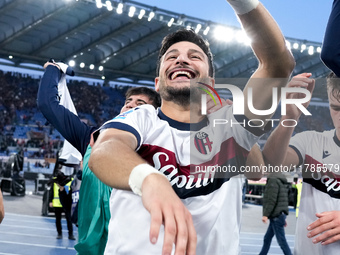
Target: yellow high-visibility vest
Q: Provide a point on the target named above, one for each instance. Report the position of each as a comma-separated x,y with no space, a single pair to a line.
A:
55,200
299,188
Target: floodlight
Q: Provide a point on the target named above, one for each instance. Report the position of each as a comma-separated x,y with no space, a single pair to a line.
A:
132,11
71,63
151,16
120,8
198,28
141,13
171,21
109,6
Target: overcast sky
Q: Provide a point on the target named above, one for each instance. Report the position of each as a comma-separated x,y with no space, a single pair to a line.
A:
301,19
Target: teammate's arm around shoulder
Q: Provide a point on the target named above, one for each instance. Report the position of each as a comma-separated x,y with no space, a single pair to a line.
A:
114,161
276,62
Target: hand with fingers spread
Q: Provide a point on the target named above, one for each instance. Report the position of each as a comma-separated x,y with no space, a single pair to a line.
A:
326,229
166,208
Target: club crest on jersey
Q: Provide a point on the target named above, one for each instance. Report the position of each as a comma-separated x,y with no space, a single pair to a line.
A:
203,143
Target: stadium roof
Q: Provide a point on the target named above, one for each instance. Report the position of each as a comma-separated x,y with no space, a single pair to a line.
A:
118,41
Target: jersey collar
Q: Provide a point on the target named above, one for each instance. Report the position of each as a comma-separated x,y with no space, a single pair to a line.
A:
181,125
335,138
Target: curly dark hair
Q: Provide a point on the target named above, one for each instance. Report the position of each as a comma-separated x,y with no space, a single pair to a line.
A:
188,35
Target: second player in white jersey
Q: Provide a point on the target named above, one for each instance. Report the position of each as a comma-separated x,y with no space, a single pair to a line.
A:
319,155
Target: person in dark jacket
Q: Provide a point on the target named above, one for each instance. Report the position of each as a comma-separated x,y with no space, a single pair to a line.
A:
275,208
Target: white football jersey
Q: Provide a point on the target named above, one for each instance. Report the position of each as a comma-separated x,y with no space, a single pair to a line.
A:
319,155
183,152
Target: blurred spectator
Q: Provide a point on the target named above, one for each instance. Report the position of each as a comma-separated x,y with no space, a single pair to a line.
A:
275,208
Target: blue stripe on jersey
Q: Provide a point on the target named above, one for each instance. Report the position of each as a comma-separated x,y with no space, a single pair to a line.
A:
298,153
336,140
124,127
183,126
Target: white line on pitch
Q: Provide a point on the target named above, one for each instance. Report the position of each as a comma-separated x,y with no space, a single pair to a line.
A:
38,245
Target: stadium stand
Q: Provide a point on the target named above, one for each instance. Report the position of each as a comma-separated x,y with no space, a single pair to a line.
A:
22,126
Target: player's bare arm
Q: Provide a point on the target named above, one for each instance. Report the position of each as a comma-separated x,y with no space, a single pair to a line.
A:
255,158
122,144
115,149
276,151
275,60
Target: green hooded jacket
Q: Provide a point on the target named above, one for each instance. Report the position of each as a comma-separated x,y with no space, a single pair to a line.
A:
275,199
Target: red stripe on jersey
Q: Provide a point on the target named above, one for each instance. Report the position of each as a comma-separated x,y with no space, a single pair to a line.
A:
229,150
312,165
201,145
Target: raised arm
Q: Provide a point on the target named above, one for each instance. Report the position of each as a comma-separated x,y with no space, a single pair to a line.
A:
113,159
276,151
275,60
67,123
330,53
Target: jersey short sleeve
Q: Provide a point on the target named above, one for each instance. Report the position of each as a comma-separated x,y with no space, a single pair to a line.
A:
136,121
299,143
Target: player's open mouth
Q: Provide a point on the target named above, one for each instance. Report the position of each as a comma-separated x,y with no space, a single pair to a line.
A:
181,74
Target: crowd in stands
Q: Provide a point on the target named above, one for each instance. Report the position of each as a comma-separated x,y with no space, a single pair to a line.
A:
23,126
320,120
